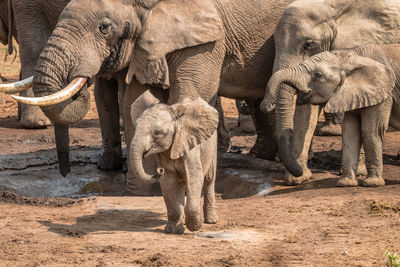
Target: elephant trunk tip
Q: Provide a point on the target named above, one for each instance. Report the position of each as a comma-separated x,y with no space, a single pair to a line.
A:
267,106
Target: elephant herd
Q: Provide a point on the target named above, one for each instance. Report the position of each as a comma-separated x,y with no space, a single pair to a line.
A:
166,61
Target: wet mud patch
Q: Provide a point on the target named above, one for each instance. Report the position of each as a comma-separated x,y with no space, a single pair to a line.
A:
10,197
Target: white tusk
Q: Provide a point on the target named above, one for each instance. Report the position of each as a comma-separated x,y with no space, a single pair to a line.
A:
17,86
56,98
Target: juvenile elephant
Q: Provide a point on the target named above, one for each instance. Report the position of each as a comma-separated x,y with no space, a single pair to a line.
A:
360,83
183,138
30,22
306,28
194,48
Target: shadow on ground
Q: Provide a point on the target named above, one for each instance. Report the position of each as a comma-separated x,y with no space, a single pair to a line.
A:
109,221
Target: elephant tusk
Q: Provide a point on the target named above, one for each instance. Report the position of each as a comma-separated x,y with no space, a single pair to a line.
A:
49,100
16,86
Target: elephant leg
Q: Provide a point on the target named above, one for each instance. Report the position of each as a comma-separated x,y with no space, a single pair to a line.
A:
265,146
106,94
332,125
224,139
305,121
210,214
194,185
31,39
246,124
136,186
373,130
351,144
174,198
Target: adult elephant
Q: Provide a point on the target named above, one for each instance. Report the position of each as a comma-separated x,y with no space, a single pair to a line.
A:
308,27
30,22
196,48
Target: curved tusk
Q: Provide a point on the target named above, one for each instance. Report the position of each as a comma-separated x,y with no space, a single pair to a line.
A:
17,86
56,98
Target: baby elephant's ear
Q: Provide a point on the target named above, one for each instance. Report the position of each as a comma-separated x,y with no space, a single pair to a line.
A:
141,104
172,25
366,83
196,122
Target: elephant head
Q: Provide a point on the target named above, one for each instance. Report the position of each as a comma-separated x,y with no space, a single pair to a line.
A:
177,129
341,80
103,37
308,27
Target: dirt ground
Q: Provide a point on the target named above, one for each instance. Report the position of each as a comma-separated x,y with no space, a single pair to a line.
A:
314,224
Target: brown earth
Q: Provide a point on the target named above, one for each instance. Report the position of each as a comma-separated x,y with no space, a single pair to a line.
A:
314,224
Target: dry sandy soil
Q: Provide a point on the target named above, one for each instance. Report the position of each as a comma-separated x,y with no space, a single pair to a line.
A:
314,224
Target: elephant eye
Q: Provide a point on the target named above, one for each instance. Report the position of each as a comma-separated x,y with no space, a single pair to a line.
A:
309,45
157,133
318,75
105,28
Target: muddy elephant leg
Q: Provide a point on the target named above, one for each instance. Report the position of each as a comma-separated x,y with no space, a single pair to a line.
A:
106,94
373,130
351,144
265,146
31,42
305,121
174,198
136,186
224,139
210,214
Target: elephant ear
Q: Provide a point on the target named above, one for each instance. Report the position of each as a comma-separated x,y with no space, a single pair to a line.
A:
366,83
196,122
172,25
143,102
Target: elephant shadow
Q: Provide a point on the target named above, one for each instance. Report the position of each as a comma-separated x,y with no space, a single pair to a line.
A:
109,220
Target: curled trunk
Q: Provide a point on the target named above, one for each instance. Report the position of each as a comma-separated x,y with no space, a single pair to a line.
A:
280,93
294,77
136,153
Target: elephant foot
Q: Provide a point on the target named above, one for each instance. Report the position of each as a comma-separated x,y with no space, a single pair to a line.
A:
373,181
264,150
174,228
330,129
33,118
110,161
347,182
193,223
245,124
210,216
289,179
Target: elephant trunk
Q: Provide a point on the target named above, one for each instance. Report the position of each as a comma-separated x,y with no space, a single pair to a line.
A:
52,73
294,77
137,152
280,92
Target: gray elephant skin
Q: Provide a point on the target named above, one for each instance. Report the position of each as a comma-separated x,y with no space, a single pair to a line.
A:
362,82
183,138
32,22
196,48
306,28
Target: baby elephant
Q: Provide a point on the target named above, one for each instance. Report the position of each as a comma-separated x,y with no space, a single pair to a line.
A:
364,83
183,139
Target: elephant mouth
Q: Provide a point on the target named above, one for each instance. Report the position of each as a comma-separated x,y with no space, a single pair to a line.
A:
304,98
